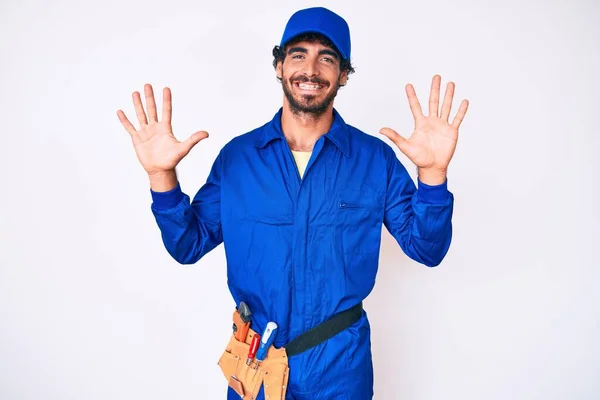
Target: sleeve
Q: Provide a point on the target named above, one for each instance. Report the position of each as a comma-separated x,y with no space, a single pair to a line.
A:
418,217
190,230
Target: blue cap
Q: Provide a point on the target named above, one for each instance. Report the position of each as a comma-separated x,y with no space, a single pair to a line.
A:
323,21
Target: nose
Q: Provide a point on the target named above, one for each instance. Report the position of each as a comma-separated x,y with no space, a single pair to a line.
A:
311,67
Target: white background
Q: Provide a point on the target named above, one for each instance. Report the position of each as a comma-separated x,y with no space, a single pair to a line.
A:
92,306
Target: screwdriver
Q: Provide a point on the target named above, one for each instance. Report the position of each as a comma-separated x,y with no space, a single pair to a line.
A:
267,339
253,347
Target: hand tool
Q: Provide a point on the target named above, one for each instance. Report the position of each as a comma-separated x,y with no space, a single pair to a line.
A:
244,312
241,321
268,337
253,347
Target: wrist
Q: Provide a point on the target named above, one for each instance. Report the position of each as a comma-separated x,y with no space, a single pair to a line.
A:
432,176
163,181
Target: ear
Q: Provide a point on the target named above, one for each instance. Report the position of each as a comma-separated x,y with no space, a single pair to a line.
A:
343,78
279,70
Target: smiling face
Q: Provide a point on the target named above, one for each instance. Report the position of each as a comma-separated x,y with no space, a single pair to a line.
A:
310,77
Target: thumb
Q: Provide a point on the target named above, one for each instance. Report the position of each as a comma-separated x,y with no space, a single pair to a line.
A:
395,137
193,140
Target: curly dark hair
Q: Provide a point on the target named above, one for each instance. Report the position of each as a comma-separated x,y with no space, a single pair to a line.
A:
279,52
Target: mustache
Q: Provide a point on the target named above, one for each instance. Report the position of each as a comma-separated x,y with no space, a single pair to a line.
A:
314,79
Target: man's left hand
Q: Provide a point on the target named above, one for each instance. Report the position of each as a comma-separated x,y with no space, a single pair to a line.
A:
433,141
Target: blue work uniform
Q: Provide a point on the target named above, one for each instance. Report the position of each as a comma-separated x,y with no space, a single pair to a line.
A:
300,249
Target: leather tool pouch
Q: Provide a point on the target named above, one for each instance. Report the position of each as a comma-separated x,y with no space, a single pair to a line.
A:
247,380
273,371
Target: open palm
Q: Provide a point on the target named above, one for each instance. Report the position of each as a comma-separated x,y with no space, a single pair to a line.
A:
155,144
433,141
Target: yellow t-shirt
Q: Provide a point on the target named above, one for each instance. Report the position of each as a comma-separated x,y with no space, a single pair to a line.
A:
301,158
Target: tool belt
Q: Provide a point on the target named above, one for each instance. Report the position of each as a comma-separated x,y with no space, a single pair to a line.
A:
273,371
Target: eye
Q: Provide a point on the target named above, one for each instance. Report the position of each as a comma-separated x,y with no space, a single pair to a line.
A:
297,56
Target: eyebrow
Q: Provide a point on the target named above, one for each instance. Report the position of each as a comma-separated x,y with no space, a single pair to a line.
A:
299,49
329,52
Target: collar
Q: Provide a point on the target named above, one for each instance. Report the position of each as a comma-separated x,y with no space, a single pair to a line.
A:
338,133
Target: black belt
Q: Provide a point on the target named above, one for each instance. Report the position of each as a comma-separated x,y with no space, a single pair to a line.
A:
324,330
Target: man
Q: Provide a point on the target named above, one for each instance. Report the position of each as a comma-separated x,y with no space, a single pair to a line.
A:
299,204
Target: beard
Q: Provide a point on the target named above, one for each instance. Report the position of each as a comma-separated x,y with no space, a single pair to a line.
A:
308,103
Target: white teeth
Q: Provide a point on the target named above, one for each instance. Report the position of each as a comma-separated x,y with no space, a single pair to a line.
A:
309,87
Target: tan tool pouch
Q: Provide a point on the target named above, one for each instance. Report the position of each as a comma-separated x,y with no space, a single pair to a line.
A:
246,380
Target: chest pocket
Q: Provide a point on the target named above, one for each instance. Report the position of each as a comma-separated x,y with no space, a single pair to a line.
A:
359,219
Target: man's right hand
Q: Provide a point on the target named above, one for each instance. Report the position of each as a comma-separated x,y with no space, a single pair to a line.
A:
156,147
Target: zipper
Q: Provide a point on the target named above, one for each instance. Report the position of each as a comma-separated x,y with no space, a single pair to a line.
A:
349,205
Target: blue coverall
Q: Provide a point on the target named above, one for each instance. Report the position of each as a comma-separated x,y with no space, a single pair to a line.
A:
299,250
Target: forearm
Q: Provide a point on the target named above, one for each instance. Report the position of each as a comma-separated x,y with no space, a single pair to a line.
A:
421,222
430,234
186,232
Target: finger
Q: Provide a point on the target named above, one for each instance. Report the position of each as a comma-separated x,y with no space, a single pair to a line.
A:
193,140
150,103
460,115
434,96
167,106
415,107
128,126
395,137
447,105
139,108
126,123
